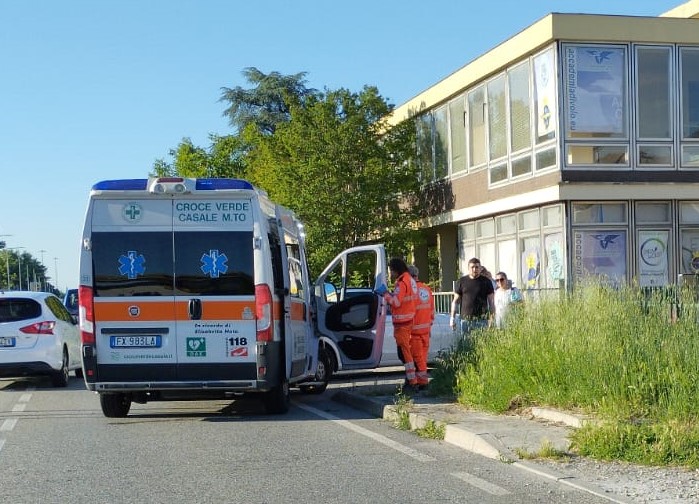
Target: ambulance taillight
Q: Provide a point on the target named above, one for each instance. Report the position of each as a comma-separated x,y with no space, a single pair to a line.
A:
86,314
263,309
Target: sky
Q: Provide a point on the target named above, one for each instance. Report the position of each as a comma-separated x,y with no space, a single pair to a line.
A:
93,90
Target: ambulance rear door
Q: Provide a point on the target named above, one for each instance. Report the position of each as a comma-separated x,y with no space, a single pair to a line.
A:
348,310
214,286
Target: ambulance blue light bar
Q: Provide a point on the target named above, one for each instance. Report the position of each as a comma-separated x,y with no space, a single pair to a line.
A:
121,185
212,184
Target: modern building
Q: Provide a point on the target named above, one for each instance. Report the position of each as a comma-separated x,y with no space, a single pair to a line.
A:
569,150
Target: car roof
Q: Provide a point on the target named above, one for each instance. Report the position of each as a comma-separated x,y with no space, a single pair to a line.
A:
25,294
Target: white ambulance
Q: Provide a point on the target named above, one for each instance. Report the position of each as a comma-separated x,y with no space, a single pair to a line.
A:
199,289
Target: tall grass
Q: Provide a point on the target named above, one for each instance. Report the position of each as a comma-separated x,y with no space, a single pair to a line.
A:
620,354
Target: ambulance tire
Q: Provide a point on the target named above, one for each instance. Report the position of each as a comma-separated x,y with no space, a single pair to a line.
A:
324,371
278,400
115,405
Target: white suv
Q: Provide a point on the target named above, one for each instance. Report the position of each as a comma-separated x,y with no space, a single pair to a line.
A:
38,337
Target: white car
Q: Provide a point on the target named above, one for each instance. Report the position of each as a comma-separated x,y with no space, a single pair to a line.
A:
38,337
442,337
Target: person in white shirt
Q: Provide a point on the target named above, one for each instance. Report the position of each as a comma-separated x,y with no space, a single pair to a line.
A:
505,295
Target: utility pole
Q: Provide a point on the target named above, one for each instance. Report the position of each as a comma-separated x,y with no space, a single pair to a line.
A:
55,271
43,280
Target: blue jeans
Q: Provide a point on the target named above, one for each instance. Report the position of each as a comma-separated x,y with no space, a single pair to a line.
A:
468,325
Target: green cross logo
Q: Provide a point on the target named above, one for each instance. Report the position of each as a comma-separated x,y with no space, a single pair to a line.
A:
132,212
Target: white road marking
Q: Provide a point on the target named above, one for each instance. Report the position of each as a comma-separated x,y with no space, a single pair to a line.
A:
2,443
8,424
25,397
18,407
421,457
484,485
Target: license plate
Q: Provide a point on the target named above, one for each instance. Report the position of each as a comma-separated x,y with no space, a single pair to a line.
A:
135,341
7,342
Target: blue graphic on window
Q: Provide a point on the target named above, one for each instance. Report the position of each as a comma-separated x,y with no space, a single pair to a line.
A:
131,264
214,263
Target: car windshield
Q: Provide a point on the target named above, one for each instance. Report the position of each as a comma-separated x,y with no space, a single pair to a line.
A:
16,309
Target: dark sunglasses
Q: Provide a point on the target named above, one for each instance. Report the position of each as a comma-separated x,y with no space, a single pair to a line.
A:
499,279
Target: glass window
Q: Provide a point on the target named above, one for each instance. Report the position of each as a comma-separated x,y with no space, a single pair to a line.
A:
690,155
497,120
554,260
522,166
467,231
689,67
529,220
545,96
133,264
476,127
690,250
596,91
531,262
506,224
552,216
485,228
653,213
600,253
546,159
655,155
507,259
498,173
599,213
458,135
424,146
520,114
689,213
486,253
598,154
441,143
214,263
654,104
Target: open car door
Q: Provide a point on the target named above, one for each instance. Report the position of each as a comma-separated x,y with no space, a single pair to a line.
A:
347,309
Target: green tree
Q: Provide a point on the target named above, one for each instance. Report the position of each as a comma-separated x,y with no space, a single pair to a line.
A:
225,157
342,170
266,104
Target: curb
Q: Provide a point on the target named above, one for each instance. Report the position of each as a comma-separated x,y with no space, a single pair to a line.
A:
484,444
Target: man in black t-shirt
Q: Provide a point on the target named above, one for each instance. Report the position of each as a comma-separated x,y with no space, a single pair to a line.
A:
474,293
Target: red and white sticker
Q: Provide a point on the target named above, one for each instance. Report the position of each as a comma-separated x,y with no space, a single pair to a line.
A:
239,352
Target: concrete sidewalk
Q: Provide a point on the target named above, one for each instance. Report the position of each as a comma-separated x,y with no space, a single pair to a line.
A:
502,437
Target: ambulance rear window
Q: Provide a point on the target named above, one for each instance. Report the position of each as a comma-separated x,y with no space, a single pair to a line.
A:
214,263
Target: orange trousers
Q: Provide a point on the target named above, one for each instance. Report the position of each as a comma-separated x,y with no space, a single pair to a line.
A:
419,346
402,334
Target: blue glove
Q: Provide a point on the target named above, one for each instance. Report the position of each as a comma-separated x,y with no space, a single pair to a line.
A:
381,289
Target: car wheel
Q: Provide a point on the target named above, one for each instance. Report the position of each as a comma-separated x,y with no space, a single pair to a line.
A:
115,405
60,378
278,400
324,371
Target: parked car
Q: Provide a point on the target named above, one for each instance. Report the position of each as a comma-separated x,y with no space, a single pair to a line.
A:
70,301
38,337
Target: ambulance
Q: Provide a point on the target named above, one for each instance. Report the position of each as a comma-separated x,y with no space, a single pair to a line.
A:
194,289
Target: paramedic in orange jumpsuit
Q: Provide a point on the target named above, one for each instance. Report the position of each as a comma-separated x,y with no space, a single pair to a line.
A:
402,301
422,326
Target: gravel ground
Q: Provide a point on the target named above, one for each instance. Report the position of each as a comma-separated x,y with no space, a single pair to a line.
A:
641,484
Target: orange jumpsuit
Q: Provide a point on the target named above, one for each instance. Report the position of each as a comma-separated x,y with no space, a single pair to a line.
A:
402,301
420,335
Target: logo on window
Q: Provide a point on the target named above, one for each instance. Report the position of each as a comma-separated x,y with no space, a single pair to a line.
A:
213,264
131,264
605,240
132,212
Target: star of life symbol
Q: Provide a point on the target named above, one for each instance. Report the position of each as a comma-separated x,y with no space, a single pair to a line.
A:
132,212
131,264
213,263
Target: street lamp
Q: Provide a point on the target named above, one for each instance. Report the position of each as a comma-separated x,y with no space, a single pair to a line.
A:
55,270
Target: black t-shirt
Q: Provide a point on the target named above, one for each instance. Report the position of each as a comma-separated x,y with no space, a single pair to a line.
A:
474,296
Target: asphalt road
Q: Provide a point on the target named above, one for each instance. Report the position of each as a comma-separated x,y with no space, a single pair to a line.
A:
57,447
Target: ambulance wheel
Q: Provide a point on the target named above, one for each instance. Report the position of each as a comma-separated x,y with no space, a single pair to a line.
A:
115,405
324,371
278,400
